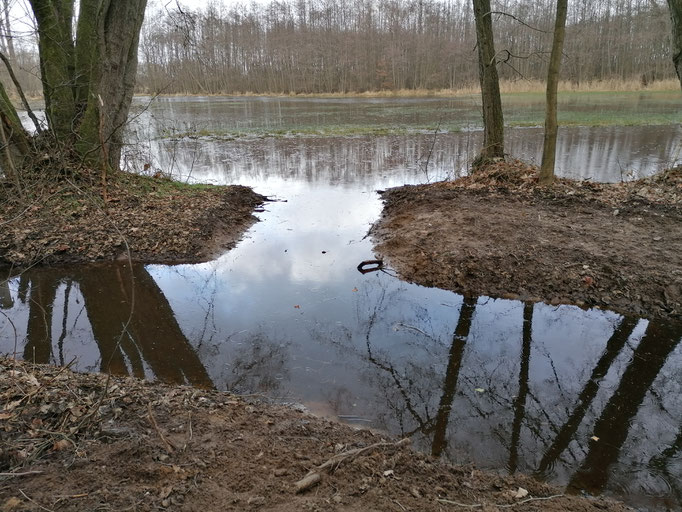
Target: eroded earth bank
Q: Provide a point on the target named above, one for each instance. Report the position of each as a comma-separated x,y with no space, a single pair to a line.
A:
497,233
73,441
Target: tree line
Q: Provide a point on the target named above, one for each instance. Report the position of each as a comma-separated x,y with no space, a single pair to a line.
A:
328,46
88,59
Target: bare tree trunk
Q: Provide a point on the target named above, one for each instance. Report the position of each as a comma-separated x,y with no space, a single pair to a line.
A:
112,79
55,45
493,121
549,146
5,30
676,19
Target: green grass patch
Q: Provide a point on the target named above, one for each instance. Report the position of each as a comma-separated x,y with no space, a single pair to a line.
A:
302,117
141,185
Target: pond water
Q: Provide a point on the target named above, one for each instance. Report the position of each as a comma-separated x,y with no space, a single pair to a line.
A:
586,399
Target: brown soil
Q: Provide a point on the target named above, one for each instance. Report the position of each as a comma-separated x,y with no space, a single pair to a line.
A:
160,221
91,442
498,233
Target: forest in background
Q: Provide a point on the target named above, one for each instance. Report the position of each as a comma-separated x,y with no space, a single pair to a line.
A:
346,46
332,46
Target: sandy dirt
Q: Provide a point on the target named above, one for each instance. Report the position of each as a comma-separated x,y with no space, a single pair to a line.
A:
88,442
499,234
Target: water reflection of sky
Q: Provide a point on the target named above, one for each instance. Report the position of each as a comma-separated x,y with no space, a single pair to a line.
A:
287,315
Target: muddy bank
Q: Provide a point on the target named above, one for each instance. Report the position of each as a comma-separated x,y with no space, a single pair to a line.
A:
84,442
616,246
155,219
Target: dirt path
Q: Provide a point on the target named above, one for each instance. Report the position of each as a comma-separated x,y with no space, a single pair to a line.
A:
497,233
84,442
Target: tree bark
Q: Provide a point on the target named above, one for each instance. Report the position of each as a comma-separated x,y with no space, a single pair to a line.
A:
55,45
549,146
676,19
493,121
112,80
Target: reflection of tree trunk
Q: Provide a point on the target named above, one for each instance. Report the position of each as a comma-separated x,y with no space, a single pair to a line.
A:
669,452
65,317
613,347
660,463
39,332
152,336
520,402
6,301
614,423
452,374
22,290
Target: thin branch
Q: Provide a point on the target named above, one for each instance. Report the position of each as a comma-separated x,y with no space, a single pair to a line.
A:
502,13
480,505
24,101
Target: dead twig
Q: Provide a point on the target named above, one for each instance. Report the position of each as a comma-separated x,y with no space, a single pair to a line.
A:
35,502
479,505
313,477
25,473
24,101
189,432
166,443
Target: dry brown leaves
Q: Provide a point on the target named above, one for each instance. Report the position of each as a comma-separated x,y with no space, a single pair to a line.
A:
521,178
47,409
71,223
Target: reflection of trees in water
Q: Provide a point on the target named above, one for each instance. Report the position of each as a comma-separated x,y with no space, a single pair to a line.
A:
259,365
582,152
43,286
614,423
131,320
584,402
414,395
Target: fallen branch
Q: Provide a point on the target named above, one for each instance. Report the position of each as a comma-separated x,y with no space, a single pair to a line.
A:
307,482
480,505
313,477
25,473
24,101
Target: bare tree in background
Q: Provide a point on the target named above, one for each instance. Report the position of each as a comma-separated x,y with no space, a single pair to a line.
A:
315,46
493,121
676,19
549,146
6,39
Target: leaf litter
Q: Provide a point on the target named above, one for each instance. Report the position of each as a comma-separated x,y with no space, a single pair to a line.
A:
74,441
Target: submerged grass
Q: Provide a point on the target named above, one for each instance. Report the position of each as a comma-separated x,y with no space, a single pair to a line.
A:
403,116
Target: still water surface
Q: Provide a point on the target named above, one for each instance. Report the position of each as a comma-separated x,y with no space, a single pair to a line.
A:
506,385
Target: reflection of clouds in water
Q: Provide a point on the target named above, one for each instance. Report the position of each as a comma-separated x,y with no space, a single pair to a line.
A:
239,313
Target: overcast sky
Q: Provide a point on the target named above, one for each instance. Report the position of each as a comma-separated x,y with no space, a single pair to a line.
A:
22,26
19,8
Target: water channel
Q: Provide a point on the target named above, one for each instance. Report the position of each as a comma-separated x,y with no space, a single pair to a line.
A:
586,399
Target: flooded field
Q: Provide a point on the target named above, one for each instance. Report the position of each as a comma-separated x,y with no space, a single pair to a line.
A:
586,399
